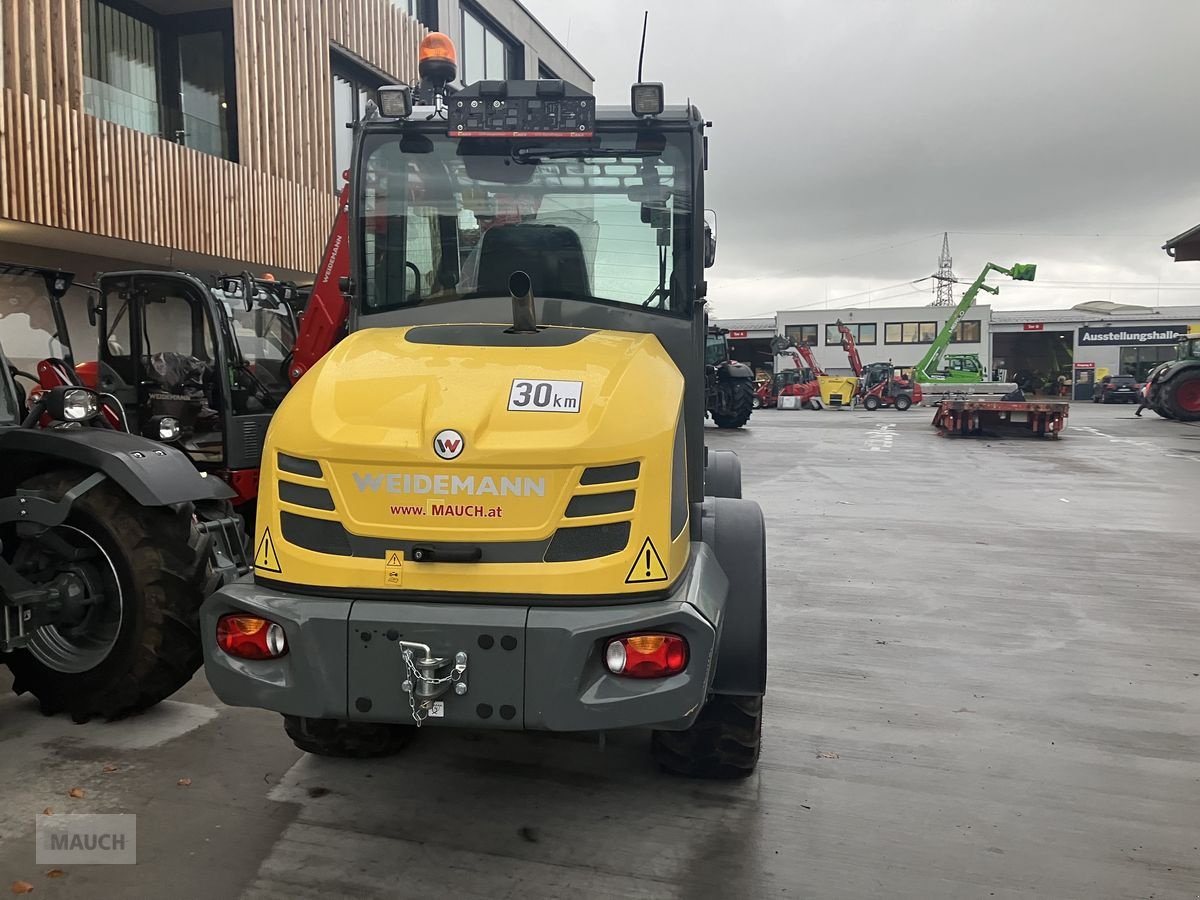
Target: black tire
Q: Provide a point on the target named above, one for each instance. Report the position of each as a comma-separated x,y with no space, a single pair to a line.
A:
347,740
756,403
741,403
903,402
1166,414
160,562
1185,385
870,403
723,742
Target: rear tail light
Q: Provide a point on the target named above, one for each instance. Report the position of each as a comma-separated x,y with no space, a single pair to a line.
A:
646,655
250,637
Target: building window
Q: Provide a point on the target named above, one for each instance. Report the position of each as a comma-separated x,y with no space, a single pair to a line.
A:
487,53
804,334
545,72
1140,361
967,331
122,81
171,76
864,334
424,11
353,86
910,332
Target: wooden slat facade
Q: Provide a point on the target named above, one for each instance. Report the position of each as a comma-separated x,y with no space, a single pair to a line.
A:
62,168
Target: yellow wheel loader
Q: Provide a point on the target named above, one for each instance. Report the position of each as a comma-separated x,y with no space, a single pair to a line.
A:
490,506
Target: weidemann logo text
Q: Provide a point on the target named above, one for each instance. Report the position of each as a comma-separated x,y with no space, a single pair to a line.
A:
449,485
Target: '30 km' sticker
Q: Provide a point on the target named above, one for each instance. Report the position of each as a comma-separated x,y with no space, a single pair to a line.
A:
528,395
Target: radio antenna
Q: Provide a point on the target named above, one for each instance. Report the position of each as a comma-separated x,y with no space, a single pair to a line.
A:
642,54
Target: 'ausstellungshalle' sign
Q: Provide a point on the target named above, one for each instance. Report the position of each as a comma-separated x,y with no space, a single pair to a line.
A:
1098,335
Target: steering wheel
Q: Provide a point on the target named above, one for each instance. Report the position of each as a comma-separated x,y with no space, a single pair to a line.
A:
19,373
416,292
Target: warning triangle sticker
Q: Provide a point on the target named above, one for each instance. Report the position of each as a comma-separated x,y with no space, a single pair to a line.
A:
393,560
265,557
647,567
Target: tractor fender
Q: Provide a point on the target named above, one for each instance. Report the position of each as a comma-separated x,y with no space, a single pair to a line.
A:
1172,370
152,474
722,474
735,531
735,370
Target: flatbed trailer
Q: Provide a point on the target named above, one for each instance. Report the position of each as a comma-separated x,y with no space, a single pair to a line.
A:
1037,418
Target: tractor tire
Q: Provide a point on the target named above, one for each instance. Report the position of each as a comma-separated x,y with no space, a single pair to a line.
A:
870,403
133,650
1181,396
903,402
347,740
741,404
723,742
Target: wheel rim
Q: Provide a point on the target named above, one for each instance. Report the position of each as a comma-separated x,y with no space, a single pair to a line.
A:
1187,395
72,649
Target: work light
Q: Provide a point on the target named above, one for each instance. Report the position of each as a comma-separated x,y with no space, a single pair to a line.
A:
647,98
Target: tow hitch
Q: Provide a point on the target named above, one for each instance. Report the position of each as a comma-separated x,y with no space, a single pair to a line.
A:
430,677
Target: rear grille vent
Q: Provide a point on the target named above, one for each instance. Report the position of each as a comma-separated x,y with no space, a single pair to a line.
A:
303,495
309,468
588,542
611,474
317,535
600,504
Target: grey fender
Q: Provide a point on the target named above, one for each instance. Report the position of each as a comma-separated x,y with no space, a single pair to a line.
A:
735,531
722,474
735,371
152,474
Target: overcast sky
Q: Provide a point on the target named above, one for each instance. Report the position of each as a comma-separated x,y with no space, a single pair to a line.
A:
849,134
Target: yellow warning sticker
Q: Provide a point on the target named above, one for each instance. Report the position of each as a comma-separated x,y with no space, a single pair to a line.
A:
647,567
265,557
393,567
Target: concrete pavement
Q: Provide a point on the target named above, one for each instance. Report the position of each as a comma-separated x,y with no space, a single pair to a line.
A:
984,682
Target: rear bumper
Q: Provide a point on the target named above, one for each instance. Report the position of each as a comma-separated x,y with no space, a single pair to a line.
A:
528,667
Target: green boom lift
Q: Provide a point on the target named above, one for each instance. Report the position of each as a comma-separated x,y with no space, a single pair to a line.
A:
964,368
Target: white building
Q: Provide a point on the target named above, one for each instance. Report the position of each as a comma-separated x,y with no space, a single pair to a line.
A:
900,334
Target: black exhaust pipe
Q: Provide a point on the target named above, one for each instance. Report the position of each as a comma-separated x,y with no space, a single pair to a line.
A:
520,287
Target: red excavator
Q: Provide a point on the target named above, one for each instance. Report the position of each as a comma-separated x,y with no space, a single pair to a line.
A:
878,383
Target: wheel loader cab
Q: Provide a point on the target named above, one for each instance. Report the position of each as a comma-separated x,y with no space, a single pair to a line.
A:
486,506
192,364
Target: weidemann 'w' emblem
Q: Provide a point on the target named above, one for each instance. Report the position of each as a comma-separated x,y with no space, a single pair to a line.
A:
448,444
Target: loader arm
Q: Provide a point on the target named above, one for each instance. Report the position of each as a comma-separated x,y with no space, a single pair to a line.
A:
806,353
933,357
324,321
850,348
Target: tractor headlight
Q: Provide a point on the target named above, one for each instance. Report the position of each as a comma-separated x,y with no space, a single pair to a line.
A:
162,428
71,404
79,406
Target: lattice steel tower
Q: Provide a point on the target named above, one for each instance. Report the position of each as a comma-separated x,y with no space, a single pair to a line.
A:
943,281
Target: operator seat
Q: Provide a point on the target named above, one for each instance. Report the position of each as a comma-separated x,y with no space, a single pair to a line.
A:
551,255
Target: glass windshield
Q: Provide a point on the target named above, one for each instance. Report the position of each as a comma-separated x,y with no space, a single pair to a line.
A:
1190,349
447,219
265,337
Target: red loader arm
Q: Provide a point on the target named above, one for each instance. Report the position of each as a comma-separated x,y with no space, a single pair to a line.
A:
806,352
325,315
851,349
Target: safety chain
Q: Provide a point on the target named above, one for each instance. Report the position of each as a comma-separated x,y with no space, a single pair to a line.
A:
415,676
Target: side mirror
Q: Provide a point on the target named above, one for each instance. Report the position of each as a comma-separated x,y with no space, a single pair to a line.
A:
710,239
248,290
93,309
